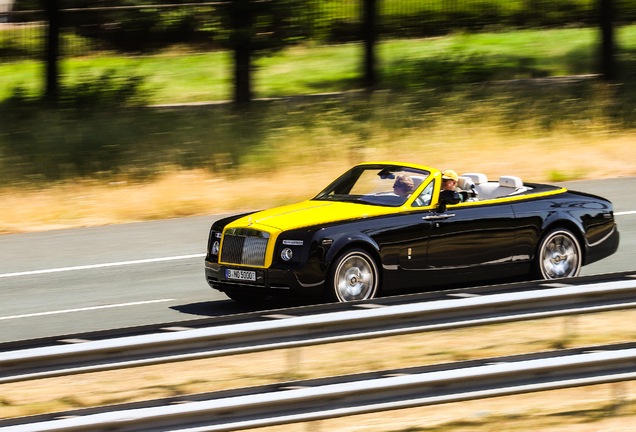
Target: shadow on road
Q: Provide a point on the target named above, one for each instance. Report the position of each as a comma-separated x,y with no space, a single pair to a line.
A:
230,307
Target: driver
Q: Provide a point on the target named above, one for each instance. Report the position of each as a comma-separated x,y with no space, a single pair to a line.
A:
403,186
449,182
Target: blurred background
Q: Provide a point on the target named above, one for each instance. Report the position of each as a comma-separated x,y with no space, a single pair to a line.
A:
194,101
116,111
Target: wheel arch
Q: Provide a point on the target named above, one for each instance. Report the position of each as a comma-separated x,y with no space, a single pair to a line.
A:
541,268
358,242
341,245
569,225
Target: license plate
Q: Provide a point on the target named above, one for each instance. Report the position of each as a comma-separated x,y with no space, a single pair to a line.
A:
241,275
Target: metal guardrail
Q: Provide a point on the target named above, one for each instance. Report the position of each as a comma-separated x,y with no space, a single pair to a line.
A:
288,332
357,394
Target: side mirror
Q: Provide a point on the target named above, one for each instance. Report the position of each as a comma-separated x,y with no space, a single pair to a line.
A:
449,197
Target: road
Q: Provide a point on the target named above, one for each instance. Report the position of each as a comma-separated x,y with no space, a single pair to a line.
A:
85,279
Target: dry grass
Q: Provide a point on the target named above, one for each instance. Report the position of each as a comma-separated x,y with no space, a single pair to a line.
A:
298,170
279,152
583,409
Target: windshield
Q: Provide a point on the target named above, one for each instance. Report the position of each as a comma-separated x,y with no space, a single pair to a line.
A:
375,184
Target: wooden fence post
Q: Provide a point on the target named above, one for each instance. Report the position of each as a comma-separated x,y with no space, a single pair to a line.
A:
242,27
52,50
369,34
607,45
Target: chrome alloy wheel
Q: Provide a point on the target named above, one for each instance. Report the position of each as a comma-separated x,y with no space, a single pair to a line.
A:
355,277
560,255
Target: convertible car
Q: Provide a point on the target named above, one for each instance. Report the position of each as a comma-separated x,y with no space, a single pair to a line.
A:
361,236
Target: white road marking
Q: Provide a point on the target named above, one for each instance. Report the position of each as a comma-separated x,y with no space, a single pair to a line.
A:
94,266
84,309
624,213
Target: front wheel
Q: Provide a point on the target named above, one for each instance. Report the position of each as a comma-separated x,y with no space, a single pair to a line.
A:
559,255
353,276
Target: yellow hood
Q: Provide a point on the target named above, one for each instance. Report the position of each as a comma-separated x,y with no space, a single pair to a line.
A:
309,213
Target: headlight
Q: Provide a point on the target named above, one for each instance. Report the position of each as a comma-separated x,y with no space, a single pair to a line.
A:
216,246
287,254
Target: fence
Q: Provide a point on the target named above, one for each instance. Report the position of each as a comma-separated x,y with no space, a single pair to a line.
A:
203,26
254,25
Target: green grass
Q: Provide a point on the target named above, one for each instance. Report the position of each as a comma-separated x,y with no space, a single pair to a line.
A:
558,52
28,75
316,69
171,78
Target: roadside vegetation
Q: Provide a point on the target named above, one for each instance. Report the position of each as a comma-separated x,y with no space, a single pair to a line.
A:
104,156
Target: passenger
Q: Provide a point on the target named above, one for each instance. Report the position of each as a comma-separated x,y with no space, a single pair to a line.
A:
403,186
449,182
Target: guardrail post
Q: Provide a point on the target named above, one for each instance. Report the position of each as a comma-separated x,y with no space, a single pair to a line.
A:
569,328
619,396
293,362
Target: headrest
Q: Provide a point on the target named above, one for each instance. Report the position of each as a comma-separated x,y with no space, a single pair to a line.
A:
510,181
417,180
465,183
477,178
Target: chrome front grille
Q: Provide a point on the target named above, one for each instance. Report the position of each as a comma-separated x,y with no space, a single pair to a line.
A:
244,246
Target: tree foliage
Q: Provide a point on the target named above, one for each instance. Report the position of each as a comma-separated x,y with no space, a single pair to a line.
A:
276,23
148,25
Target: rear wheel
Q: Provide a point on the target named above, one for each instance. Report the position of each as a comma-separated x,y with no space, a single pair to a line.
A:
559,255
353,276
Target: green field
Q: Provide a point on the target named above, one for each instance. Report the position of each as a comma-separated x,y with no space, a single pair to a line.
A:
306,69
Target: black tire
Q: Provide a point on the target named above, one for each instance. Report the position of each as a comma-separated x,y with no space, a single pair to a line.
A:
353,276
558,256
246,299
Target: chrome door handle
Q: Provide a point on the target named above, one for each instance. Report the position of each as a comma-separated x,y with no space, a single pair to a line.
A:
438,217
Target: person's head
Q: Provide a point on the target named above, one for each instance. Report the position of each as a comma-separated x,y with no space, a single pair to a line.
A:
449,180
403,185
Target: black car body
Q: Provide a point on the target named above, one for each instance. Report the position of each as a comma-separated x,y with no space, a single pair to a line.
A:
357,238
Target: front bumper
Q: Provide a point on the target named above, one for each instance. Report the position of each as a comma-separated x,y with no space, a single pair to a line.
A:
303,280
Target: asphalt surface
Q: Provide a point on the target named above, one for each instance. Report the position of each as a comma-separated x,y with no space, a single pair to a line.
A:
86,279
